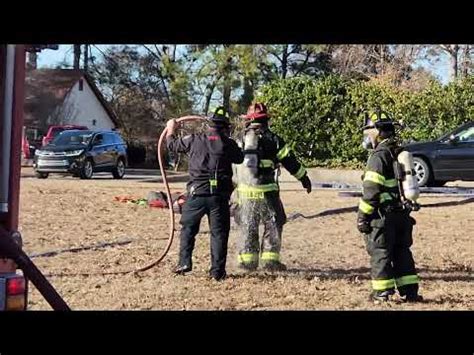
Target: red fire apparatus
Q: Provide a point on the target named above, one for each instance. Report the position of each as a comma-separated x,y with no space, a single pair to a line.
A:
16,268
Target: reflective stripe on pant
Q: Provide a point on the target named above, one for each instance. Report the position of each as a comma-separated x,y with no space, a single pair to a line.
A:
271,213
388,245
217,210
248,258
270,256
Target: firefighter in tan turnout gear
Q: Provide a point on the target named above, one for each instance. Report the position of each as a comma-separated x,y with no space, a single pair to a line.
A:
390,191
258,191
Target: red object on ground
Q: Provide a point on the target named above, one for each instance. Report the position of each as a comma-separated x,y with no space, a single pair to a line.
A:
158,204
124,198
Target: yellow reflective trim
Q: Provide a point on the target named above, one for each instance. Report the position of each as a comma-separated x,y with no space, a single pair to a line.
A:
391,183
381,285
365,207
213,182
221,112
247,258
255,192
375,118
300,173
374,177
257,188
407,280
385,196
266,163
270,256
283,152
251,195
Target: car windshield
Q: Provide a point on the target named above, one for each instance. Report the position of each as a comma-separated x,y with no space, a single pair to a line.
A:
466,135
445,136
72,138
55,131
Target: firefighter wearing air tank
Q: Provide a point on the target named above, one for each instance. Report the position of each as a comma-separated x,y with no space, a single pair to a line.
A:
258,191
390,191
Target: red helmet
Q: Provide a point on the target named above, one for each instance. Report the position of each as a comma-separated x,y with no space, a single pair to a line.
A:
256,111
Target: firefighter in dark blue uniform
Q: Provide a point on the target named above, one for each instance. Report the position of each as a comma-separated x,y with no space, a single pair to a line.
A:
211,155
384,218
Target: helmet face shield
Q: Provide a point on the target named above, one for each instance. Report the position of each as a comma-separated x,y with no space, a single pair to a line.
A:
369,140
368,124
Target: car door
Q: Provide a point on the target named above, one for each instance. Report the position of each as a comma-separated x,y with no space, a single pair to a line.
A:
98,151
120,147
110,149
455,156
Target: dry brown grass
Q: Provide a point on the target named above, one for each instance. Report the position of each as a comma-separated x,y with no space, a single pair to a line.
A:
328,264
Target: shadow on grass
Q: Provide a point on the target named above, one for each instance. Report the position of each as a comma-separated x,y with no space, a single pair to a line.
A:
353,274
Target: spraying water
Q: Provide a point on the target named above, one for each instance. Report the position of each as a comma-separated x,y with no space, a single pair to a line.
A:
253,207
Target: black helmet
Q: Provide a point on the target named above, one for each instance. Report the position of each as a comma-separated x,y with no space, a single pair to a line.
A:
220,117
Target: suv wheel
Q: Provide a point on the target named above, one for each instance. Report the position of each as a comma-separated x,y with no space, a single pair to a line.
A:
119,171
87,170
422,171
41,175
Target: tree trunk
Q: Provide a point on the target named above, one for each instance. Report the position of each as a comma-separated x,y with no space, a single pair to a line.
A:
247,95
77,56
466,64
454,58
284,61
227,85
173,56
226,95
209,91
382,63
32,60
86,57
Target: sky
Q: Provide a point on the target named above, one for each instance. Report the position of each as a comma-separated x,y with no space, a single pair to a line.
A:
51,58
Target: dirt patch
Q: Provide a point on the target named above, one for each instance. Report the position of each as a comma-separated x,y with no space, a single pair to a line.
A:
326,257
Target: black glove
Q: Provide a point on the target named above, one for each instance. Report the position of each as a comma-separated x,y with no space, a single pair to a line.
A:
306,182
364,226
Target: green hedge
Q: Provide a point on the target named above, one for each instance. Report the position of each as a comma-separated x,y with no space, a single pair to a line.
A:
321,118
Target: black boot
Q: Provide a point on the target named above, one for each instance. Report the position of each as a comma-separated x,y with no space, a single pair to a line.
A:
219,276
182,269
412,298
409,293
274,266
248,267
382,296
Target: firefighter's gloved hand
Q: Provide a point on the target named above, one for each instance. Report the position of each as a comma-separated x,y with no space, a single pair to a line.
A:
364,226
170,126
306,182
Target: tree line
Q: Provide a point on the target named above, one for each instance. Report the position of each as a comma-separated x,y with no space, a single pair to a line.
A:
148,84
